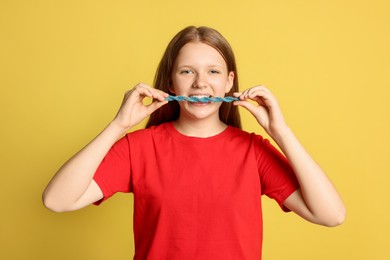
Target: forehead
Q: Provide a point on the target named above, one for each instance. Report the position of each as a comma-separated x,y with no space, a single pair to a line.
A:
199,52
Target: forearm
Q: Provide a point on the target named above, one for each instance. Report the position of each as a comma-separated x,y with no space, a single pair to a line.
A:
72,186
74,177
320,196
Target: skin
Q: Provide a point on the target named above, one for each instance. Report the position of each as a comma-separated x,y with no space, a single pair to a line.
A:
317,200
199,69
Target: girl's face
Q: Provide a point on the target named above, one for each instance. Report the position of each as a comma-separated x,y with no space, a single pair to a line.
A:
200,70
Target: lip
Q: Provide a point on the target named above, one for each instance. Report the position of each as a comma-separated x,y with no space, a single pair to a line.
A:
201,104
200,94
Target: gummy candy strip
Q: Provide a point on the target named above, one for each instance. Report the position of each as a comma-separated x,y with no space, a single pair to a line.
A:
201,99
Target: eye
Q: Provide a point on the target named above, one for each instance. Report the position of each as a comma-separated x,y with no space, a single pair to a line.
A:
186,71
215,72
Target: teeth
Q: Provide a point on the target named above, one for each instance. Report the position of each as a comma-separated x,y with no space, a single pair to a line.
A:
200,96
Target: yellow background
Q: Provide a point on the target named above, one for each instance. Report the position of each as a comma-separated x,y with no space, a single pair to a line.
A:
64,66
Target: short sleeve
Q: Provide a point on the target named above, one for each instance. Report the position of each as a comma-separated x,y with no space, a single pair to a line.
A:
113,174
278,180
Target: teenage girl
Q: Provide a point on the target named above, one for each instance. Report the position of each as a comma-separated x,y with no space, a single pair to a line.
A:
197,178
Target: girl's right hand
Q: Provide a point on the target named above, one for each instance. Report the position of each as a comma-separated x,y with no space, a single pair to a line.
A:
133,110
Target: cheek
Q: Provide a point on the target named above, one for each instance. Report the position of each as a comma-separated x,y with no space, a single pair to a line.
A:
220,84
180,84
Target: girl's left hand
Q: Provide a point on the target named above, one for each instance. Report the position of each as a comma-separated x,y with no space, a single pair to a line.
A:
267,111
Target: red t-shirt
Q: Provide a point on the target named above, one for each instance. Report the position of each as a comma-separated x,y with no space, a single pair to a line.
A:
196,198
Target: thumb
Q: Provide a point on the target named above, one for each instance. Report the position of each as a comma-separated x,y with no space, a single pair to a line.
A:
247,105
156,105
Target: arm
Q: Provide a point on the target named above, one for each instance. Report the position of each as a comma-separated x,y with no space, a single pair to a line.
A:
317,199
73,187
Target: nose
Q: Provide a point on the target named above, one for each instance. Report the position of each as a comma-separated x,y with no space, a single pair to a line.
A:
200,81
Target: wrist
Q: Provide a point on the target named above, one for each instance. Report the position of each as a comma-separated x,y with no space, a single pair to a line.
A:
122,122
283,135
117,129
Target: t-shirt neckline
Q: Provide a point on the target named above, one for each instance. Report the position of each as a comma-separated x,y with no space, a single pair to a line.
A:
185,138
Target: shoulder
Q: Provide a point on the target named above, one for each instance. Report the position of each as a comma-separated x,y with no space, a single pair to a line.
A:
149,131
253,141
146,134
236,133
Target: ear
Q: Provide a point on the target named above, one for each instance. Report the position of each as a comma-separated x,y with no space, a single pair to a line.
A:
171,88
230,81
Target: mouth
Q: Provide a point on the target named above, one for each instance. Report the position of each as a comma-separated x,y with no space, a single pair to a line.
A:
200,99
199,95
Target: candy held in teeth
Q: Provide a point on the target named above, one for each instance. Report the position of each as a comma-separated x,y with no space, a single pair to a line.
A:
201,99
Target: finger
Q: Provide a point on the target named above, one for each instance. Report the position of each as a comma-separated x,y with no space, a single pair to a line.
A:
144,88
261,87
156,105
262,97
252,108
258,89
151,92
253,93
146,92
242,95
255,89
258,95
160,95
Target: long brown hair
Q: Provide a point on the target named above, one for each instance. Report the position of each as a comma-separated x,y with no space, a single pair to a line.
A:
227,112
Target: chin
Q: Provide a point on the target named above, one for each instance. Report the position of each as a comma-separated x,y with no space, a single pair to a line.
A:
201,111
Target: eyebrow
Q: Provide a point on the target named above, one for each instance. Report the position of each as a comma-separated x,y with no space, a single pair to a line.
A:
209,66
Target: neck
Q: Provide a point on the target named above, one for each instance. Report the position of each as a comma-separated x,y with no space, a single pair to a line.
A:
199,128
